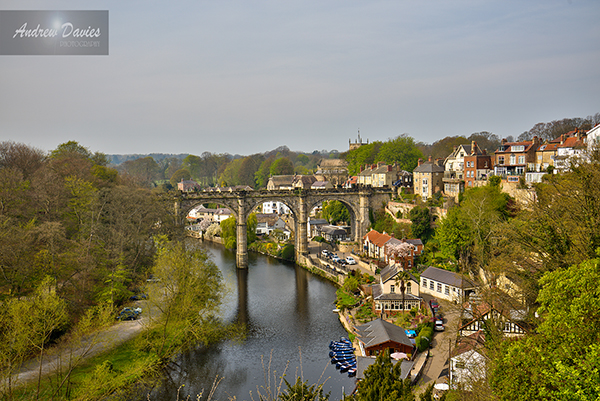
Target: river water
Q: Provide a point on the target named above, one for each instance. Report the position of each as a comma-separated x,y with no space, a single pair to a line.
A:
289,319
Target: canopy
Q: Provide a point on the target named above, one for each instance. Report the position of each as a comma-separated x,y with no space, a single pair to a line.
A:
399,355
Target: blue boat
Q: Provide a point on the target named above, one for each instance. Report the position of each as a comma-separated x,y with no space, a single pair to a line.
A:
343,359
340,353
352,372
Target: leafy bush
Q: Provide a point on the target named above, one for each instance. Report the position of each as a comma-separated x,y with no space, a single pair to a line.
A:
288,252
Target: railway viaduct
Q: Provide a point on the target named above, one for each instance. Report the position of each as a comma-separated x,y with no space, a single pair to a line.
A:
358,201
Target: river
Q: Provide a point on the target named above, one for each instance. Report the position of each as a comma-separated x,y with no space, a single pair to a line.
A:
289,319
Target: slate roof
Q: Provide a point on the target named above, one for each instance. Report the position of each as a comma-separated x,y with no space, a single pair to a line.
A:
447,277
429,167
390,272
379,331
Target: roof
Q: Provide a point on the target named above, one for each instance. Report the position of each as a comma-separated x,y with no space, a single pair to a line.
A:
314,222
507,147
415,242
472,342
447,277
332,230
279,180
391,271
319,184
379,331
377,238
429,167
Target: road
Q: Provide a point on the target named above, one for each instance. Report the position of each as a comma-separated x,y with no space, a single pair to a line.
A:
76,352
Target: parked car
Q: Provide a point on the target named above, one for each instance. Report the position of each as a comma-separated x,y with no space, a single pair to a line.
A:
439,326
324,253
129,313
335,258
138,297
350,260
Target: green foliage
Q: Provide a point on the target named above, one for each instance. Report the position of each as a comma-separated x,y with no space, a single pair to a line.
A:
281,166
351,284
262,174
181,174
424,337
188,292
421,223
562,359
229,232
251,224
301,391
365,154
382,382
401,150
288,252
345,300
383,222
335,212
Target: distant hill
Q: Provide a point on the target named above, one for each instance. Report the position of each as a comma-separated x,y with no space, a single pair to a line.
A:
118,159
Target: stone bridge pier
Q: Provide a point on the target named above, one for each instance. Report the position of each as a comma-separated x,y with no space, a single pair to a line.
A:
358,201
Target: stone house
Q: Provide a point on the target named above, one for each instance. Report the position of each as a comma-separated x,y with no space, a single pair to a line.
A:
333,170
428,178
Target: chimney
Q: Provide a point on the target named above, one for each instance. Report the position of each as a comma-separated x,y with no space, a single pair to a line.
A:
419,162
536,140
503,141
562,139
389,168
430,155
473,147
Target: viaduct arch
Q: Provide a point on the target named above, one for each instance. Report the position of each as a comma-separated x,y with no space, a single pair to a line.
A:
300,201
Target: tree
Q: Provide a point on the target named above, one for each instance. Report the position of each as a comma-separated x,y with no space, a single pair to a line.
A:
362,155
382,382
401,150
144,170
281,166
188,291
229,232
262,174
301,391
335,212
562,360
421,223
178,176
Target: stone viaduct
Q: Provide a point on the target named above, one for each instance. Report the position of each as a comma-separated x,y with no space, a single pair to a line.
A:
358,201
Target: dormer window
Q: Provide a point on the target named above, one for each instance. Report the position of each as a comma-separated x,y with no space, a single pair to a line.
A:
518,148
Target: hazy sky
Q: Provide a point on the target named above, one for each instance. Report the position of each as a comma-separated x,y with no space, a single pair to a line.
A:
248,76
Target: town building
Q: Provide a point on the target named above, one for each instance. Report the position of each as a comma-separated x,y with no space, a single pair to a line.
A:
446,285
333,170
478,167
512,159
280,182
378,335
428,178
188,186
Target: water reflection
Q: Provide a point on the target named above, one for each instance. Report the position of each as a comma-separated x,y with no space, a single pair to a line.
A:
289,323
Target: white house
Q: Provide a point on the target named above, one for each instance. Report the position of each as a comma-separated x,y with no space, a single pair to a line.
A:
275,207
468,362
445,284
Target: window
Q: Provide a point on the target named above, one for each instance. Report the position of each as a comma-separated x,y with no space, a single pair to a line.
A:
408,288
430,285
513,159
439,287
518,148
377,306
425,282
500,159
522,159
446,290
392,289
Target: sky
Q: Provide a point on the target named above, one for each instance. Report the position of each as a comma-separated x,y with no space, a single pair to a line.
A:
245,77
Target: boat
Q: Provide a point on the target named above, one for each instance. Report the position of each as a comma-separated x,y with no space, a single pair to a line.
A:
343,359
340,353
352,372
